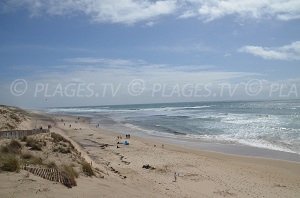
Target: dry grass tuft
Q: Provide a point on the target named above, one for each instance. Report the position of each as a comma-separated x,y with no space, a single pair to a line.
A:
34,144
10,163
70,172
14,147
51,165
87,169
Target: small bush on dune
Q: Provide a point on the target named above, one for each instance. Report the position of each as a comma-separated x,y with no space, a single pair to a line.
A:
4,149
57,138
23,139
34,144
51,165
87,169
26,156
61,149
36,147
30,142
11,164
36,161
71,173
16,118
15,144
13,147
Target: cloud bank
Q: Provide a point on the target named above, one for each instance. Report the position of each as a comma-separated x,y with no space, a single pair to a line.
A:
111,11
134,11
209,10
108,76
286,52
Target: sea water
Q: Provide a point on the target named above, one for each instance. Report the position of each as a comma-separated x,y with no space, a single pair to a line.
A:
273,125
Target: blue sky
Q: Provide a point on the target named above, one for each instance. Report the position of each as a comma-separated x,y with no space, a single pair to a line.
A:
169,42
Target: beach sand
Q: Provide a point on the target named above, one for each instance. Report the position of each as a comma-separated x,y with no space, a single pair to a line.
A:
198,173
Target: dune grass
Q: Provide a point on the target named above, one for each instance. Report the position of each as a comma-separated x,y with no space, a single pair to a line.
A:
9,163
14,147
70,172
51,165
34,144
87,169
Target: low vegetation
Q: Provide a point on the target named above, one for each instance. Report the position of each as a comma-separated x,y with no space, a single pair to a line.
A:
14,147
62,149
58,138
87,169
51,165
10,117
34,144
23,139
26,156
23,152
9,163
69,171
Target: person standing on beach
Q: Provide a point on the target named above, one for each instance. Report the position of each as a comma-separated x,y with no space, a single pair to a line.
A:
175,177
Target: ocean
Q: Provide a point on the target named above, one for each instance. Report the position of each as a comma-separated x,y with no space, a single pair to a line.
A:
273,125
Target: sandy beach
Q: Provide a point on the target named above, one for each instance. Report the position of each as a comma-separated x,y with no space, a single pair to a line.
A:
173,171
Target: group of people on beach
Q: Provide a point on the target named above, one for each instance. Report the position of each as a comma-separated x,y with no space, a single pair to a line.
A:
119,137
127,136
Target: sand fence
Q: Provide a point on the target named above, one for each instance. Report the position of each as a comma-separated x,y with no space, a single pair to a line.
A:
15,134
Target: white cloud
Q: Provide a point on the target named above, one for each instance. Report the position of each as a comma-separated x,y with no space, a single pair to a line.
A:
104,61
286,52
184,48
134,11
209,10
113,11
119,70
117,74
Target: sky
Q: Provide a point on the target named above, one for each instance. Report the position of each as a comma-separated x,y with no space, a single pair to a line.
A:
101,52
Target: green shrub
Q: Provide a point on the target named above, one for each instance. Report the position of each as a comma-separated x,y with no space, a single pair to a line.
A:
26,156
4,149
11,164
57,138
61,149
13,147
36,147
87,169
15,117
34,144
51,165
36,161
23,139
15,144
70,173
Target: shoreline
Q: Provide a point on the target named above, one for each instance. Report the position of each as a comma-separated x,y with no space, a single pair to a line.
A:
154,140
235,149
229,149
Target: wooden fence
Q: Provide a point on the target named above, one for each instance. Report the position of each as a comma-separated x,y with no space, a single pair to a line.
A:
52,174
14,134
